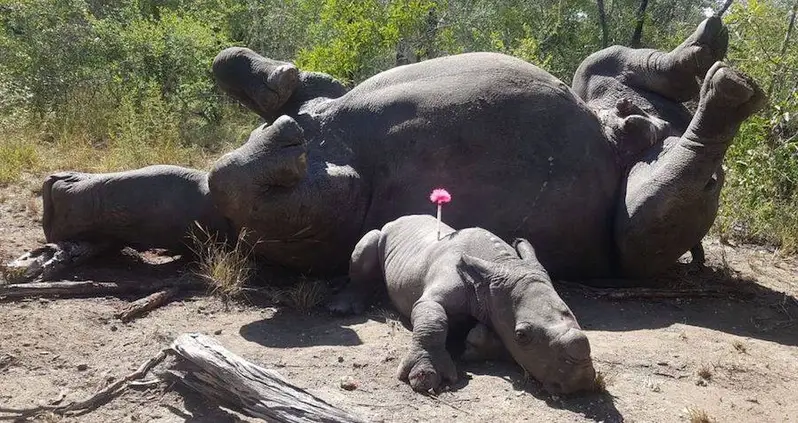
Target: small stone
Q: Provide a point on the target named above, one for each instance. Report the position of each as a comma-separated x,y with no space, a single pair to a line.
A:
701,382
217,332
82,367
348,384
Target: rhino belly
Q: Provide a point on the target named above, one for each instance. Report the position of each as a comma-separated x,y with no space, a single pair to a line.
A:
519,152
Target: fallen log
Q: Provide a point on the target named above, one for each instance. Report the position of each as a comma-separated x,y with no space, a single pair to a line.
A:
146,304
222,377
657,293
92,288
239,385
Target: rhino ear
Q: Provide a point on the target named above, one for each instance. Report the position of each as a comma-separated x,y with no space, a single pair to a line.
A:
525,250
481,273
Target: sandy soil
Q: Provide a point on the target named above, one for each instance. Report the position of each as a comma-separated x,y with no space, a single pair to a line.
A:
651,350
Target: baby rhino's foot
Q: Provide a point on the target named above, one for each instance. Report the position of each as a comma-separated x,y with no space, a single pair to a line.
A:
728,97
427,370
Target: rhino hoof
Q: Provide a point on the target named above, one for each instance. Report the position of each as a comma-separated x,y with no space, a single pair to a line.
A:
427,371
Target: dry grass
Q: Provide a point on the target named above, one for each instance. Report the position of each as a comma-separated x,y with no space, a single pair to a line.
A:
602,381
305,295
740,347
705,372
32,208
697,415
226,268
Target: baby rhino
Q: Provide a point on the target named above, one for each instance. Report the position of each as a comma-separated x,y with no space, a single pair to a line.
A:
469,273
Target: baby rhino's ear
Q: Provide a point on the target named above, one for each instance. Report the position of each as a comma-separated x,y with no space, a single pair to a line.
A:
525,250
481,273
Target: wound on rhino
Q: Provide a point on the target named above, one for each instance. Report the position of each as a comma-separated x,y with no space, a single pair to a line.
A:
468,273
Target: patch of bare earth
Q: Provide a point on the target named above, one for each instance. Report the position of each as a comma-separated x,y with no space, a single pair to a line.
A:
723,358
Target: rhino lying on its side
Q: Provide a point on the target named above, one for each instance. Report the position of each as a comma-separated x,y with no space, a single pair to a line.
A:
611,179
469,273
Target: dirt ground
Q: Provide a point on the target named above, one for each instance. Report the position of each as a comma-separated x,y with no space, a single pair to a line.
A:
734,358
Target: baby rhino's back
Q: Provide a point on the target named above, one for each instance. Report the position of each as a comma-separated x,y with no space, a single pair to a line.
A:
415,260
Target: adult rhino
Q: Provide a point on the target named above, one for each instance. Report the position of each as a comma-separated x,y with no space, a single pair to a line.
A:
613,177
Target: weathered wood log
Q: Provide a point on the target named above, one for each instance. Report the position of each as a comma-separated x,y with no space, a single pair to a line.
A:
224,378
90,288
146,304
46,262
239,385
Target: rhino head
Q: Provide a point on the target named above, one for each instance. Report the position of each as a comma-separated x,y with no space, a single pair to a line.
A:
516,298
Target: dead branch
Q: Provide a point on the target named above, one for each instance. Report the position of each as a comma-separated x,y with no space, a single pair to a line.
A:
651,293
724,7
146,304
239,385
89,288
101,397
220,376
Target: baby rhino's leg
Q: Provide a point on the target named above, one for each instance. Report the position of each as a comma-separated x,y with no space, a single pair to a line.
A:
427,365
365,274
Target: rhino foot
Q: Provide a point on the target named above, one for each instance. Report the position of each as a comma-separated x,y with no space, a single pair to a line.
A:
728,97
427,370
703,48
45,263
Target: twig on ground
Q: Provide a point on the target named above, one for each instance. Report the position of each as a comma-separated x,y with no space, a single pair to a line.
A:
101,397
146,304
437,398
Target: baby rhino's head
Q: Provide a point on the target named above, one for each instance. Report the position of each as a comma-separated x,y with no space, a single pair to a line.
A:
533,322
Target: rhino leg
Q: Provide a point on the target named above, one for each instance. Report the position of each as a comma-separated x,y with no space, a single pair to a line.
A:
428,365
365,274
262,85
673,75
671,195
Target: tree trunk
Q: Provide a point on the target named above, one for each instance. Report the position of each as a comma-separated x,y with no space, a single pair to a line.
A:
724,8
783,50
637,36
602,16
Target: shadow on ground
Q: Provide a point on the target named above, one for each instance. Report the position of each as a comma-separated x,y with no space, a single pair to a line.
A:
292,329
597,406
738,306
